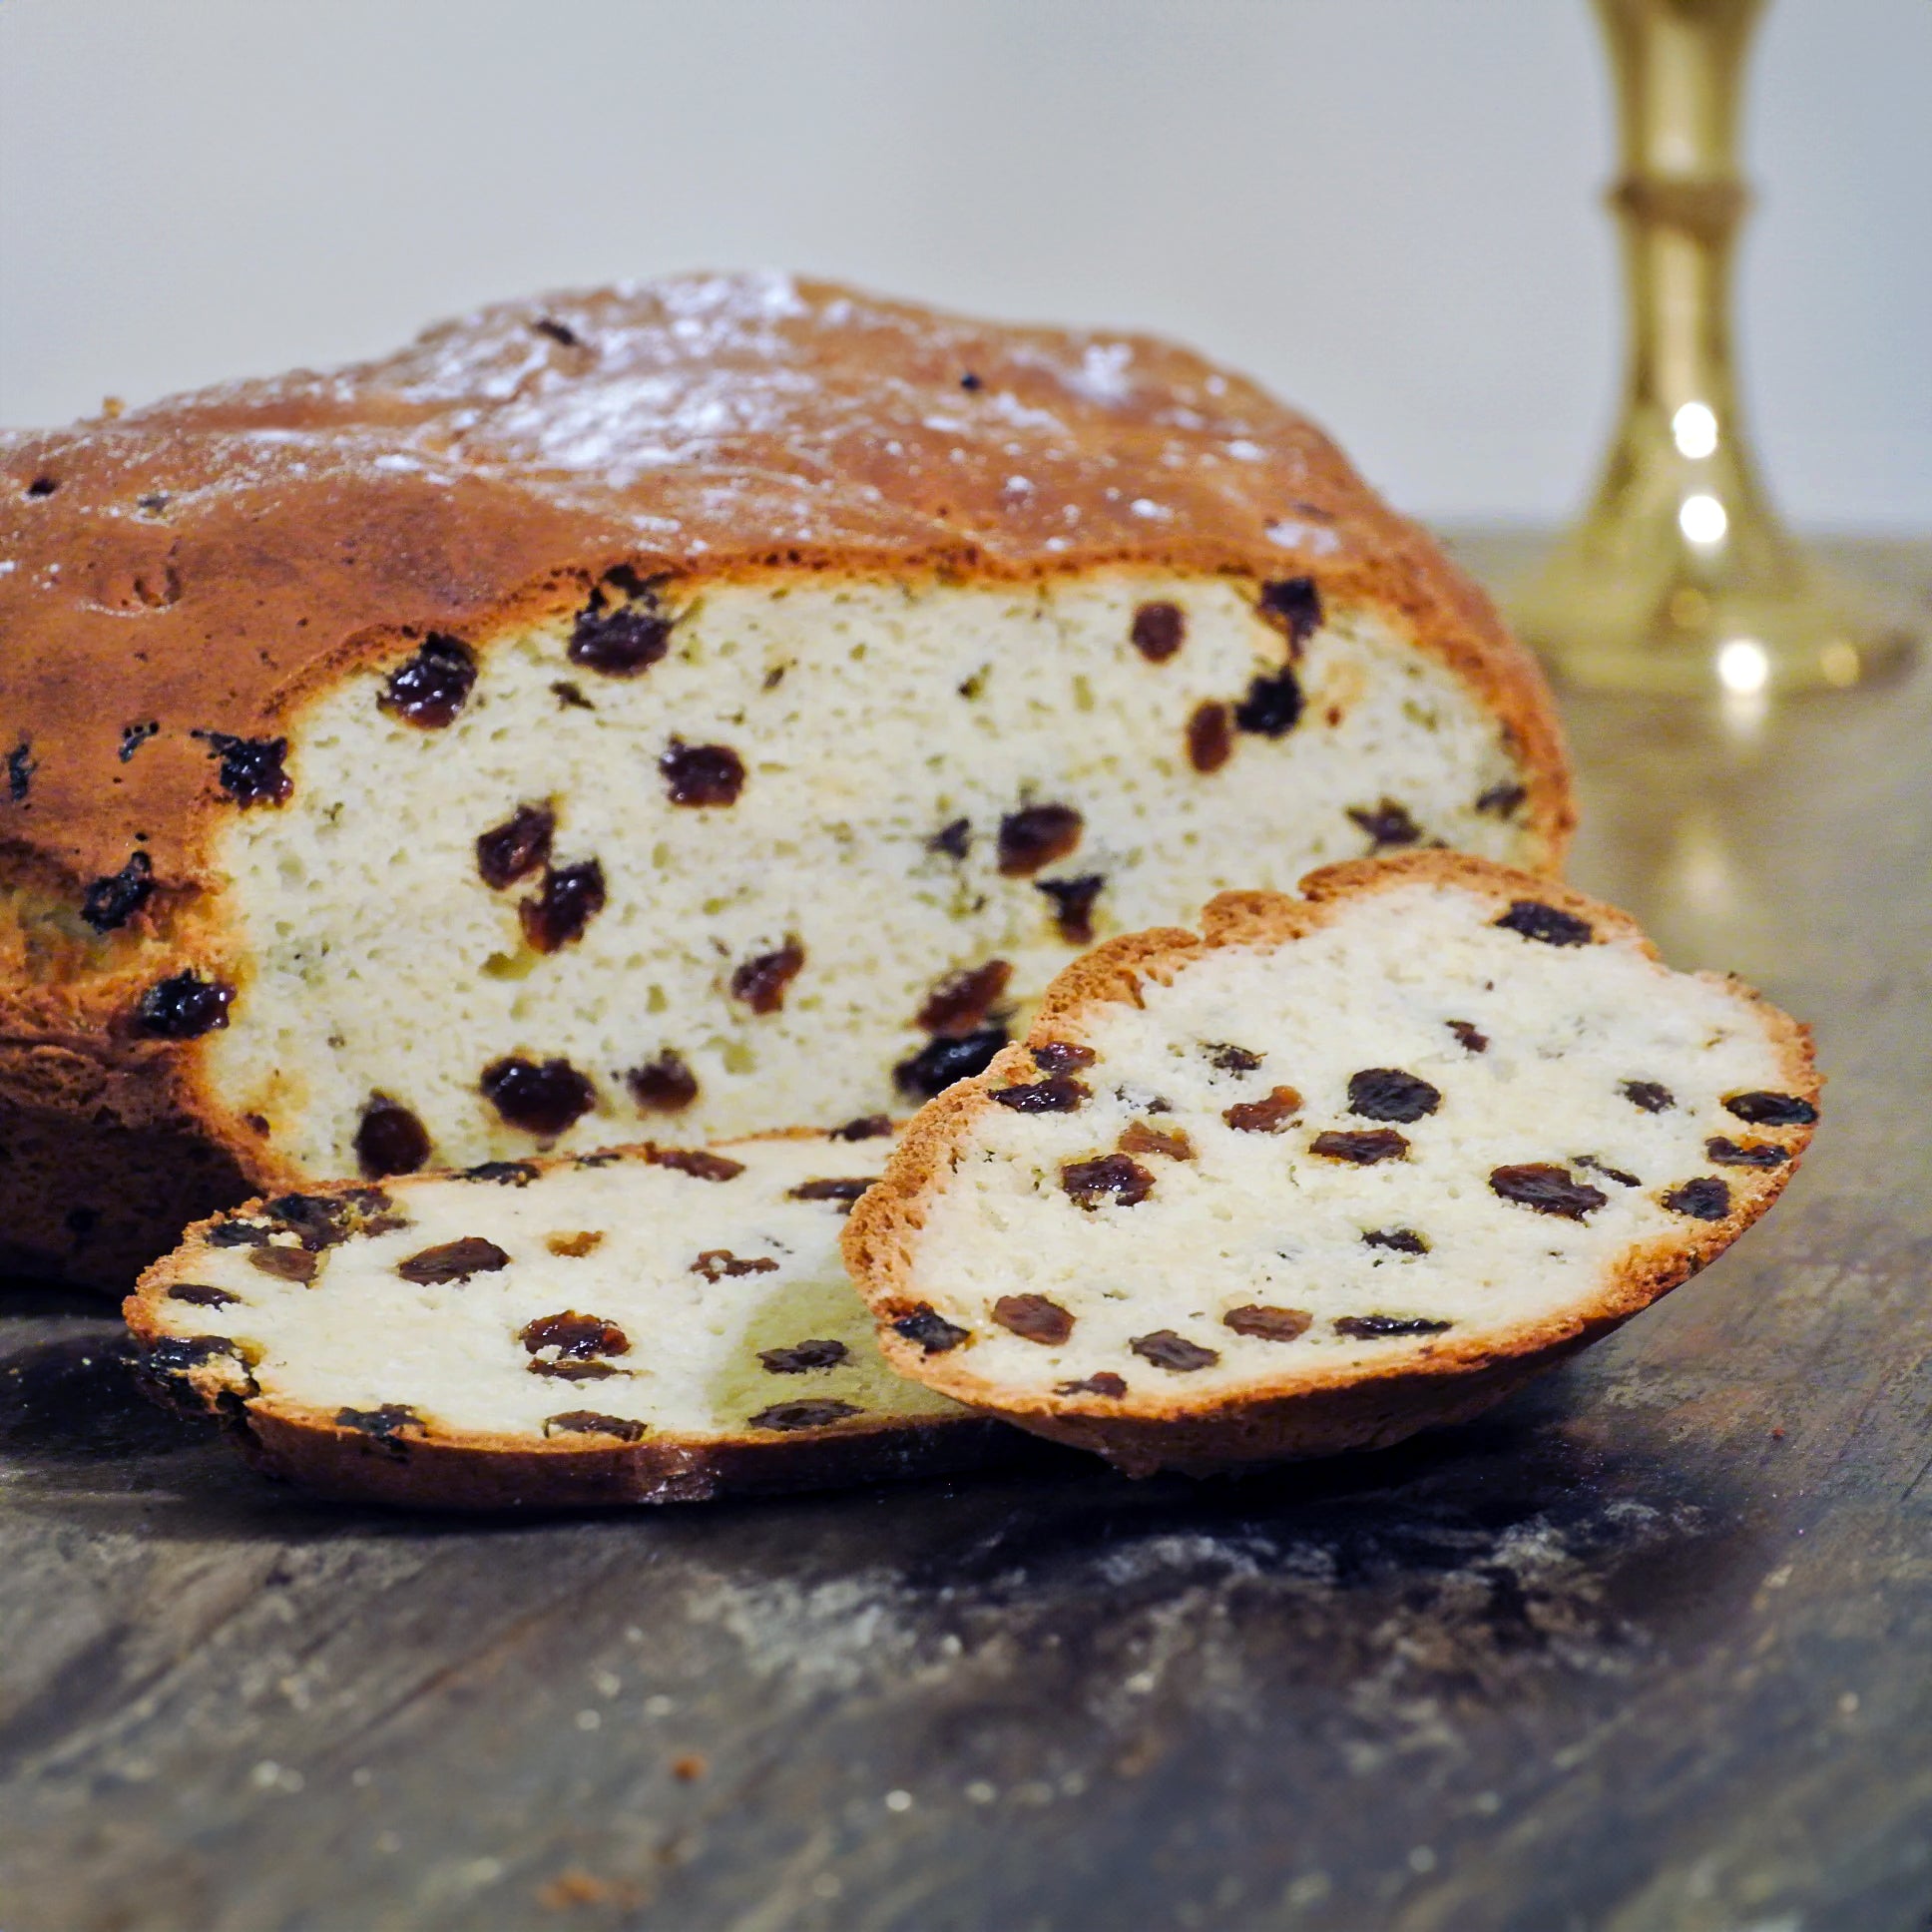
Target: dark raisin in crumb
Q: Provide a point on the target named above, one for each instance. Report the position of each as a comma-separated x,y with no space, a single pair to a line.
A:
1504,800
1706,1198
21,766
1061,1057
1105,1383
1032,1317
570,898
1268,1324
558,331
933,1069
250,770
701,774
664,1085
1363,1149
384,1425
1770,1109
1555,927
1267,1116
586,1422
570,697
239,1234
1749,1153
517,847
970,381
540,1097
1159,630
576,1338
1471,1036
868,1126
430,689
1272,706
562,1369
760,983
184,1007
1375,1327
1231,1060
803,1356
133,737
616,638
960,1002
1164,1349
506,1173
1136,1137
1073,905
785,1416
389,1139
1647,1094
450,1262
843,1191
1106,1176
1546,1187
931,1331
1389,1093
1603,1168
1387,824
198,1294
720,1263
111,903
285,1263
1404,1240
1292,605
954,840
1036,835
42,486
695,1162
1056,1094
1210,737
177,1353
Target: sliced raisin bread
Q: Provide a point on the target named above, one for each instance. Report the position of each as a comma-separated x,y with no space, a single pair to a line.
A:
1336,1169
637,1326
676,712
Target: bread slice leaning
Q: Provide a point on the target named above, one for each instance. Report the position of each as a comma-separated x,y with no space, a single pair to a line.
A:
1330,1170
645,1325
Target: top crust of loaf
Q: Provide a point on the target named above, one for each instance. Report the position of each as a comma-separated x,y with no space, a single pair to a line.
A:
1317,1407
199,565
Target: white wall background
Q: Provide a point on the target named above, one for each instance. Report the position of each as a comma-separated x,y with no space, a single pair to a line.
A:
1387,209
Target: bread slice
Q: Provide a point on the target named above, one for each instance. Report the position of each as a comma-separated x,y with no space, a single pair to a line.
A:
645,1325
673,712
1334,1170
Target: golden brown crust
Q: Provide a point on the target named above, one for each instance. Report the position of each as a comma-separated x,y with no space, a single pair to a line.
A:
1317,1410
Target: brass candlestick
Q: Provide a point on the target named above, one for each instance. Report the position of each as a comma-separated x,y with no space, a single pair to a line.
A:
1680,576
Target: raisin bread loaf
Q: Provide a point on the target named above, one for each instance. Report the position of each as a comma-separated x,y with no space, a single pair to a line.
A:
1337,1169
673,711
640,1327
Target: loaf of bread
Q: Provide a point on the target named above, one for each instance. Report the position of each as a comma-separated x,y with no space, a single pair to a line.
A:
641,1326
1333,1170
673,711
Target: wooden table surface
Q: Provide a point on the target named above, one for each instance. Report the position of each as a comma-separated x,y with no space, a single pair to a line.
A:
1649,1647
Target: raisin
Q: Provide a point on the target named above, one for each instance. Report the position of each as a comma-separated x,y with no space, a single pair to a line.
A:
432,687
389,1139
701,774
1292,605
574,1338
239,1234
930,1329
960,1002
1470,1035
1231,1060
868,1126
570,898
1107,1175
1389,1093
1706,1198
664,1085
250,770
586,1422
506,1173
1770,1109
1504,800
785,1416
384,1425
696,1162
570,697
179,1353
572,1248
1058,1094
133,737
1105,1383
1159,630
1546,1187
760,983
184,1007
969,381
1364,1149
562,1369
111,903
559,333
1032,1317
1061,1057
1553,926
1375,1327
323,1221
845,1192
716,1262
1073,905
514,849
620,638
1036,835
1268,1324
1617,1174
450,1262
1387,824
597,1158
1210,737
285,1263
21,766
1164,1349
1751,1153
803,1356
42,486
1403,1241
1136,1137
953,840
1267,1116
1647,1094
539,1097
198,1294
934,1068
1272,706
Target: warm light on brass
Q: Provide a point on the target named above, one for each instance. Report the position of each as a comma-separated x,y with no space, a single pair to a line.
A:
1681,577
